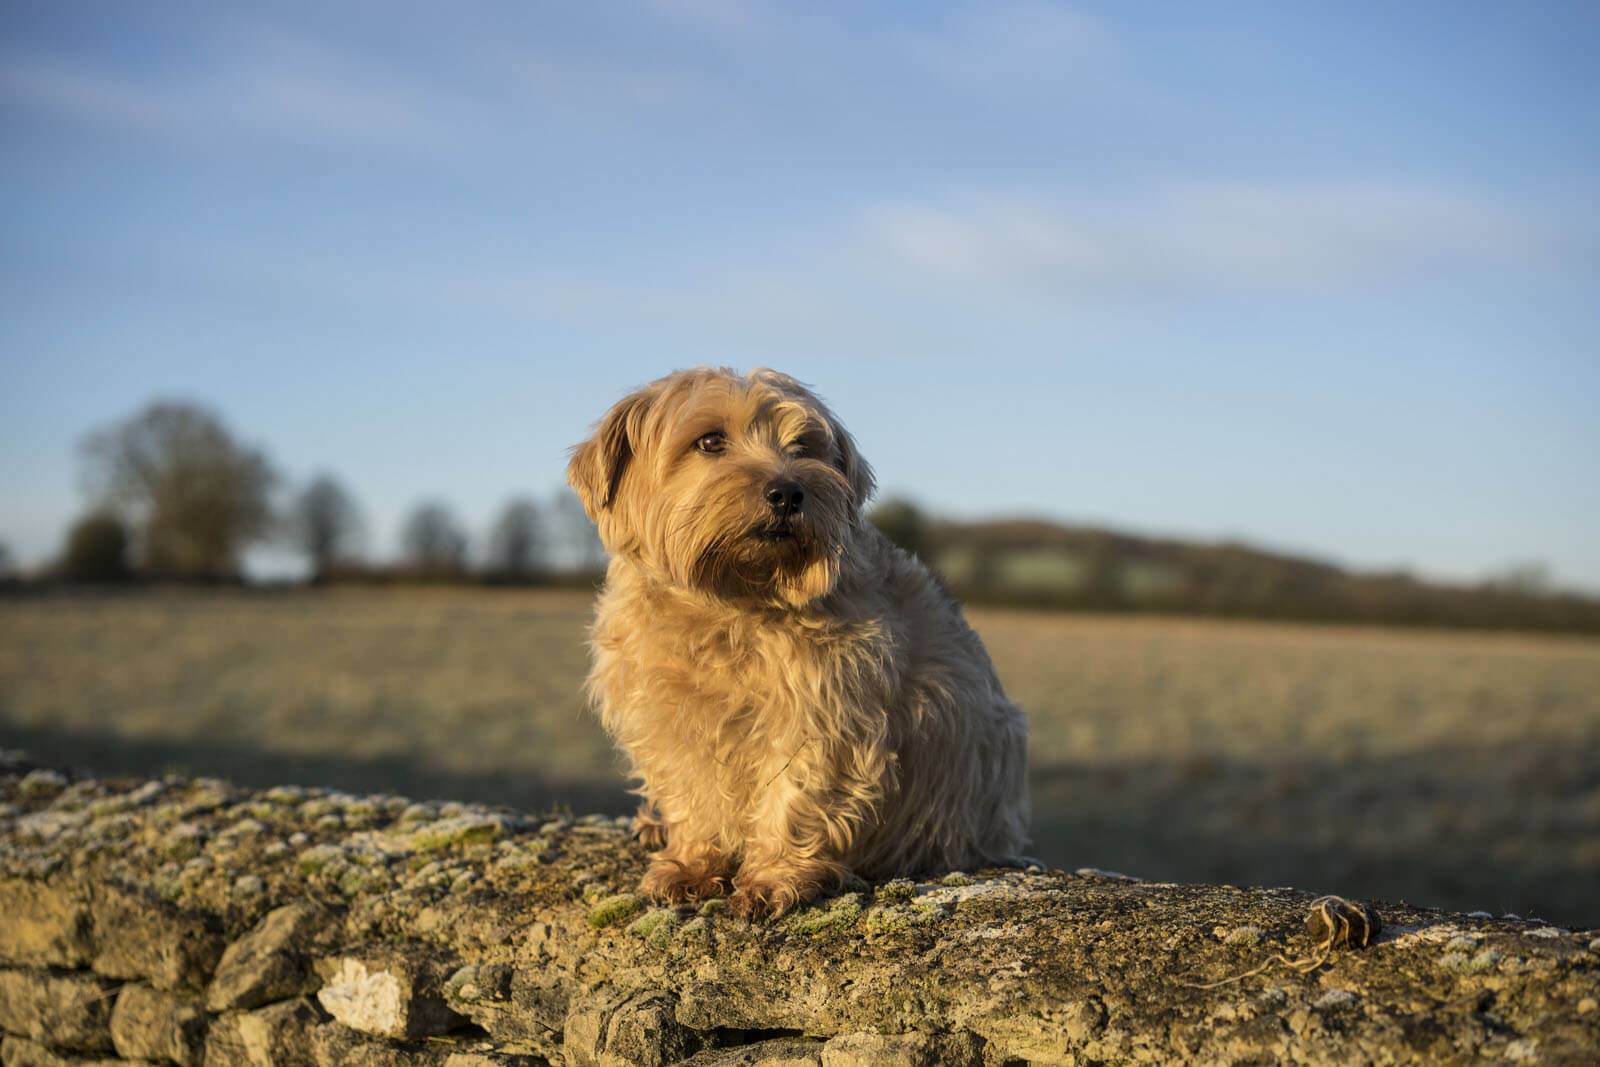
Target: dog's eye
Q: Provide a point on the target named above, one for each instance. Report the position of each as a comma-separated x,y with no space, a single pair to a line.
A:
712,442
797,450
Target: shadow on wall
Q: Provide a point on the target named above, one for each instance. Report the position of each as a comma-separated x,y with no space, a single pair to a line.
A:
110,755
1465,829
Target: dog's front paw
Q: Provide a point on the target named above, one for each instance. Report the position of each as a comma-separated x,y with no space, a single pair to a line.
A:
649,829
763,896
670,881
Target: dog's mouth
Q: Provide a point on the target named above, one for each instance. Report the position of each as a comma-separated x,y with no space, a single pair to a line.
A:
777,535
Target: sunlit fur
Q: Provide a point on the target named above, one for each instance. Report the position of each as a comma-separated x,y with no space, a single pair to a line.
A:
797,709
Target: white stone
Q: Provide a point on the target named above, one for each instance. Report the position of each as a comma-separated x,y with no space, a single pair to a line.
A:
370,1001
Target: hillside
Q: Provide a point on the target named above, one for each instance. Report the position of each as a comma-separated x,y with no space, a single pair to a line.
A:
1041,563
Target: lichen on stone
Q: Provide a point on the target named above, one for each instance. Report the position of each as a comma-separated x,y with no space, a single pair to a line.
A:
889,918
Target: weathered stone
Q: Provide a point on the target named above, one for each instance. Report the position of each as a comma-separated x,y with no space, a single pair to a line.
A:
878,1050
519,1005
336,1045
20,1052
389,993
43,925
64,1010
280,1035
777,1052
997,966
271,962
140,936
151,1024
619,1029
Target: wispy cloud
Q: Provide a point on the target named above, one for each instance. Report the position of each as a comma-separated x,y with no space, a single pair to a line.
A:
265,84
587,84
59,87
1025,43
1208,236
720,16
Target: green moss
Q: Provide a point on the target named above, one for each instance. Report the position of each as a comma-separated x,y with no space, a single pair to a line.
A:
656,926
460,830
697,930
42,782
111,805
827,917
1244,935
317,857
614,909
957,878
358,880
899,889
1461,963
714,906
462,986
519,860
316,809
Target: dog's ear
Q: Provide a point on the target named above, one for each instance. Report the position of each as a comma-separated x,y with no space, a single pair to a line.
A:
597,465
856,469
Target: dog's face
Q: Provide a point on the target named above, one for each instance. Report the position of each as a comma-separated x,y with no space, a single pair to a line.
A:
736,485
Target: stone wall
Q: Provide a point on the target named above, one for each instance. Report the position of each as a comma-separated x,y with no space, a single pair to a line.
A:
190,922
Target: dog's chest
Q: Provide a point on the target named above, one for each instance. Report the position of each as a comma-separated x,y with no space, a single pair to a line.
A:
714,673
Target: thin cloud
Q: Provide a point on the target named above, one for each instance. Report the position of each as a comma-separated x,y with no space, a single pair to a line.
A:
588,83
721,16
272,85
62,88
1205,237
1026,43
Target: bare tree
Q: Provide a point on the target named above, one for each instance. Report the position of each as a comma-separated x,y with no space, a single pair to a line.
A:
326,525
433,542
516,545
196,497
584,549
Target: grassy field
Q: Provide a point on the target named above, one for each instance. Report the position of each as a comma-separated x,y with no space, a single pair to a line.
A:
1458,770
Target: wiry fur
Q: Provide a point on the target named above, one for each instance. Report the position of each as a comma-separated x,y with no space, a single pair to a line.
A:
794,710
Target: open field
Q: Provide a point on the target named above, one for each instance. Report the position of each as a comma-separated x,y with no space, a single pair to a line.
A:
1449,769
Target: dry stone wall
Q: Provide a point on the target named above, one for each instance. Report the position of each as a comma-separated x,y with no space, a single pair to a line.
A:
190,922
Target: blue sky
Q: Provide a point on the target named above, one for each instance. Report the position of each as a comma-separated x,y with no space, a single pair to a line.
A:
1323,277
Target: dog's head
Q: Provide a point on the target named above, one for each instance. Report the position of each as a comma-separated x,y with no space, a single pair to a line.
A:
736,485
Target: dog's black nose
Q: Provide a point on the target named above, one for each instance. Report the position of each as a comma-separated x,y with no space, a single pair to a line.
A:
785,497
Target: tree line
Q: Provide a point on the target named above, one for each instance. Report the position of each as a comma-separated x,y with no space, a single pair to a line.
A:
174,495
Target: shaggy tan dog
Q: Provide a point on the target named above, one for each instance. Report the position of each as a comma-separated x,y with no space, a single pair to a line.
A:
799,698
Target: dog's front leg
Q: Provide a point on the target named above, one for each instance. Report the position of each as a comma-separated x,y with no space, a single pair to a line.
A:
799,845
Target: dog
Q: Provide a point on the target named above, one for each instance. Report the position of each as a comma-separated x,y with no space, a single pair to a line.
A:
800,700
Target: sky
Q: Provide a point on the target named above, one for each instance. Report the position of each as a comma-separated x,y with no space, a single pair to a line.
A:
1318,277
